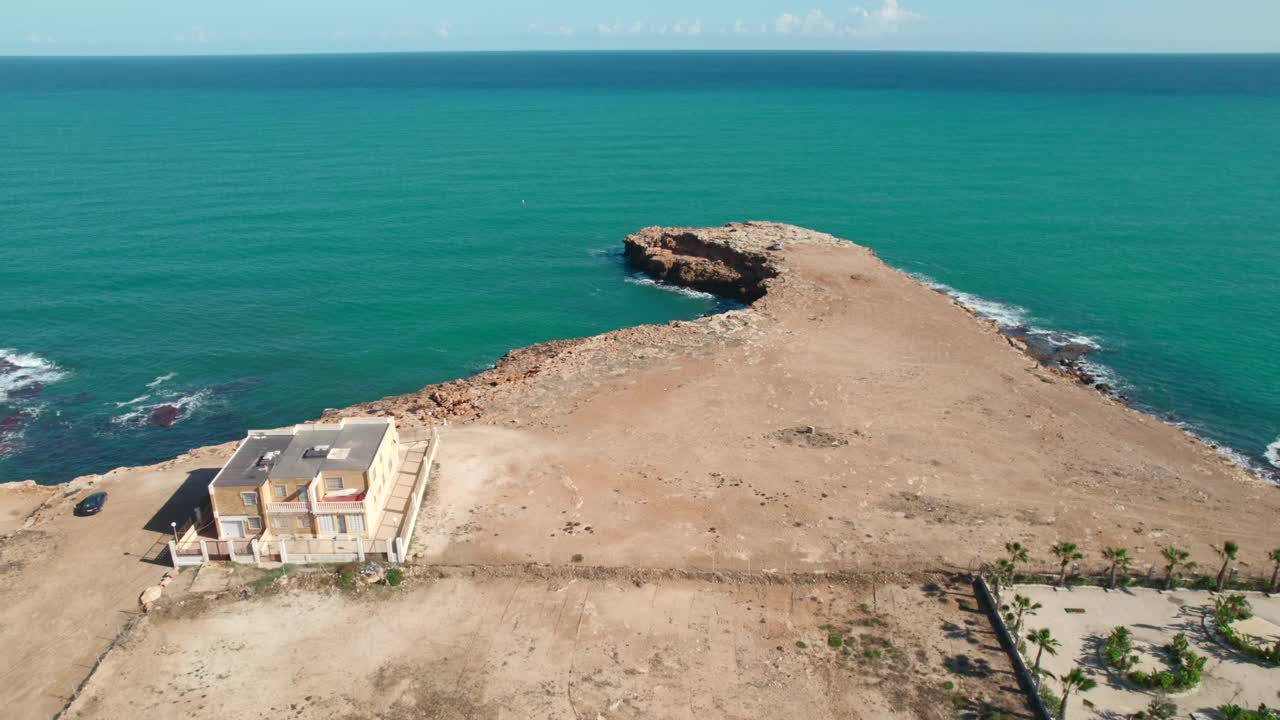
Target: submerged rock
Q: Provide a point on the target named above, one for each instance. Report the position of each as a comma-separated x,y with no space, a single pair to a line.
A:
164,415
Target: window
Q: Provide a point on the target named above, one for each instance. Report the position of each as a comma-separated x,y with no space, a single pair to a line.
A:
249,498
282,491
355,523
279,521
255,523
326,523
302,492
333,483
302,523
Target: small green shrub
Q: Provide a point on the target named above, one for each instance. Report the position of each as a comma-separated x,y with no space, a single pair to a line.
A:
948,685
1235,712
577,557
395,576
834,640
801,644
1052,702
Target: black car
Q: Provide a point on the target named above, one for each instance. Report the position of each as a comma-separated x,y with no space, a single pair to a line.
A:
91,505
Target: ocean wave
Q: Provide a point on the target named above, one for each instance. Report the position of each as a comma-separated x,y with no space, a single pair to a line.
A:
1230,454
642,279
19,371
134,401
186,405
160,380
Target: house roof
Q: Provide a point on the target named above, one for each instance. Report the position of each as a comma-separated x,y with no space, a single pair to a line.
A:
303,452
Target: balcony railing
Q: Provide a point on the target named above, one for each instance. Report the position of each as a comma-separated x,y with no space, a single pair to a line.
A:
287,507
339,507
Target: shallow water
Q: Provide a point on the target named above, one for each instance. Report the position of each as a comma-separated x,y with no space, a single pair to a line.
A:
257,239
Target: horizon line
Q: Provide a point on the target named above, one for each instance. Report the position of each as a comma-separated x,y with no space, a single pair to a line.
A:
643,51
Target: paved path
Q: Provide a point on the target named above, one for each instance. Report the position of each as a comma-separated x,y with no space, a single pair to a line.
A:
398,504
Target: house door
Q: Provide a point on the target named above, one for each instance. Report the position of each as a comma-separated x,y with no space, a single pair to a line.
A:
233,528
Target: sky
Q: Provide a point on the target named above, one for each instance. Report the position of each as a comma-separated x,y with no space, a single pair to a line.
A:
186,27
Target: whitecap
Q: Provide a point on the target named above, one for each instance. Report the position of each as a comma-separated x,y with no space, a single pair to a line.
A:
21,370
161,379
186,405
134,401
1272,453
642,279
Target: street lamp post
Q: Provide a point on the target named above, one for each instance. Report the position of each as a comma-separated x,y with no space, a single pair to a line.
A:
174,527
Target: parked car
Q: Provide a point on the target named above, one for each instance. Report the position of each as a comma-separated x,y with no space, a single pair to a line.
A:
91,505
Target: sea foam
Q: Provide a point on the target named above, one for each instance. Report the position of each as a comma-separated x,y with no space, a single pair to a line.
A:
21,370
185,403
641,279
1272,453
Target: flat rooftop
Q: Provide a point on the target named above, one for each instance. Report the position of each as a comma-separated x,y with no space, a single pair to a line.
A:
303,452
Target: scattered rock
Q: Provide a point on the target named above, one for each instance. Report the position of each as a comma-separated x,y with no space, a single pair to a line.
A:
808,436
163,415
149,597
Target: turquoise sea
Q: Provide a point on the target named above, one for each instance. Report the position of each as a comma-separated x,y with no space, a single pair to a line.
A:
255,239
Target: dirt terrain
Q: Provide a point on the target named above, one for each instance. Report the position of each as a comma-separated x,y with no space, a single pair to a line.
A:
849,420
563,647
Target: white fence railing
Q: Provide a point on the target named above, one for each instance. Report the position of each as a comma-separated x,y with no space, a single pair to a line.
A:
405,538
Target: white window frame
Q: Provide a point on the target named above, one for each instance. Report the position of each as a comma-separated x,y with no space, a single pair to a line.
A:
355,524
281,491
249,498
280,522
326,524
328,486
253,523
303,523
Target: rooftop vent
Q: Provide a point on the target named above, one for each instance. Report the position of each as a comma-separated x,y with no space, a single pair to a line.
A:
268,458
317,451
339,453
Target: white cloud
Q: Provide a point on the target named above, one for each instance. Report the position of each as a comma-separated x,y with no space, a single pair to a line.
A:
861,22
740,26
565,31
695,28
40,38
636,28
815,22
443,30
881,20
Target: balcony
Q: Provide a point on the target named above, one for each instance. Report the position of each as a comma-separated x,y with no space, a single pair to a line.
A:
288,507
346,503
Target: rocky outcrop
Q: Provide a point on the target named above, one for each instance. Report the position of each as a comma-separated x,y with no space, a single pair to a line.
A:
163,415
731,261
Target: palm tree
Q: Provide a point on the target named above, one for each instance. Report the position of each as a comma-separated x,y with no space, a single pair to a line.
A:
1045,643
1001,575
1119,559
1177,560
1074,680
1066,552
1228,553
1017,553
1275,574
1022,608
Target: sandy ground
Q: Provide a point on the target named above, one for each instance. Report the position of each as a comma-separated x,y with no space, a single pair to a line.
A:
1153,618
851,420
561,648
69,585
935,442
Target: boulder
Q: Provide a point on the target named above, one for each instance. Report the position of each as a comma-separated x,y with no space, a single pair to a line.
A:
163,415
149,597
